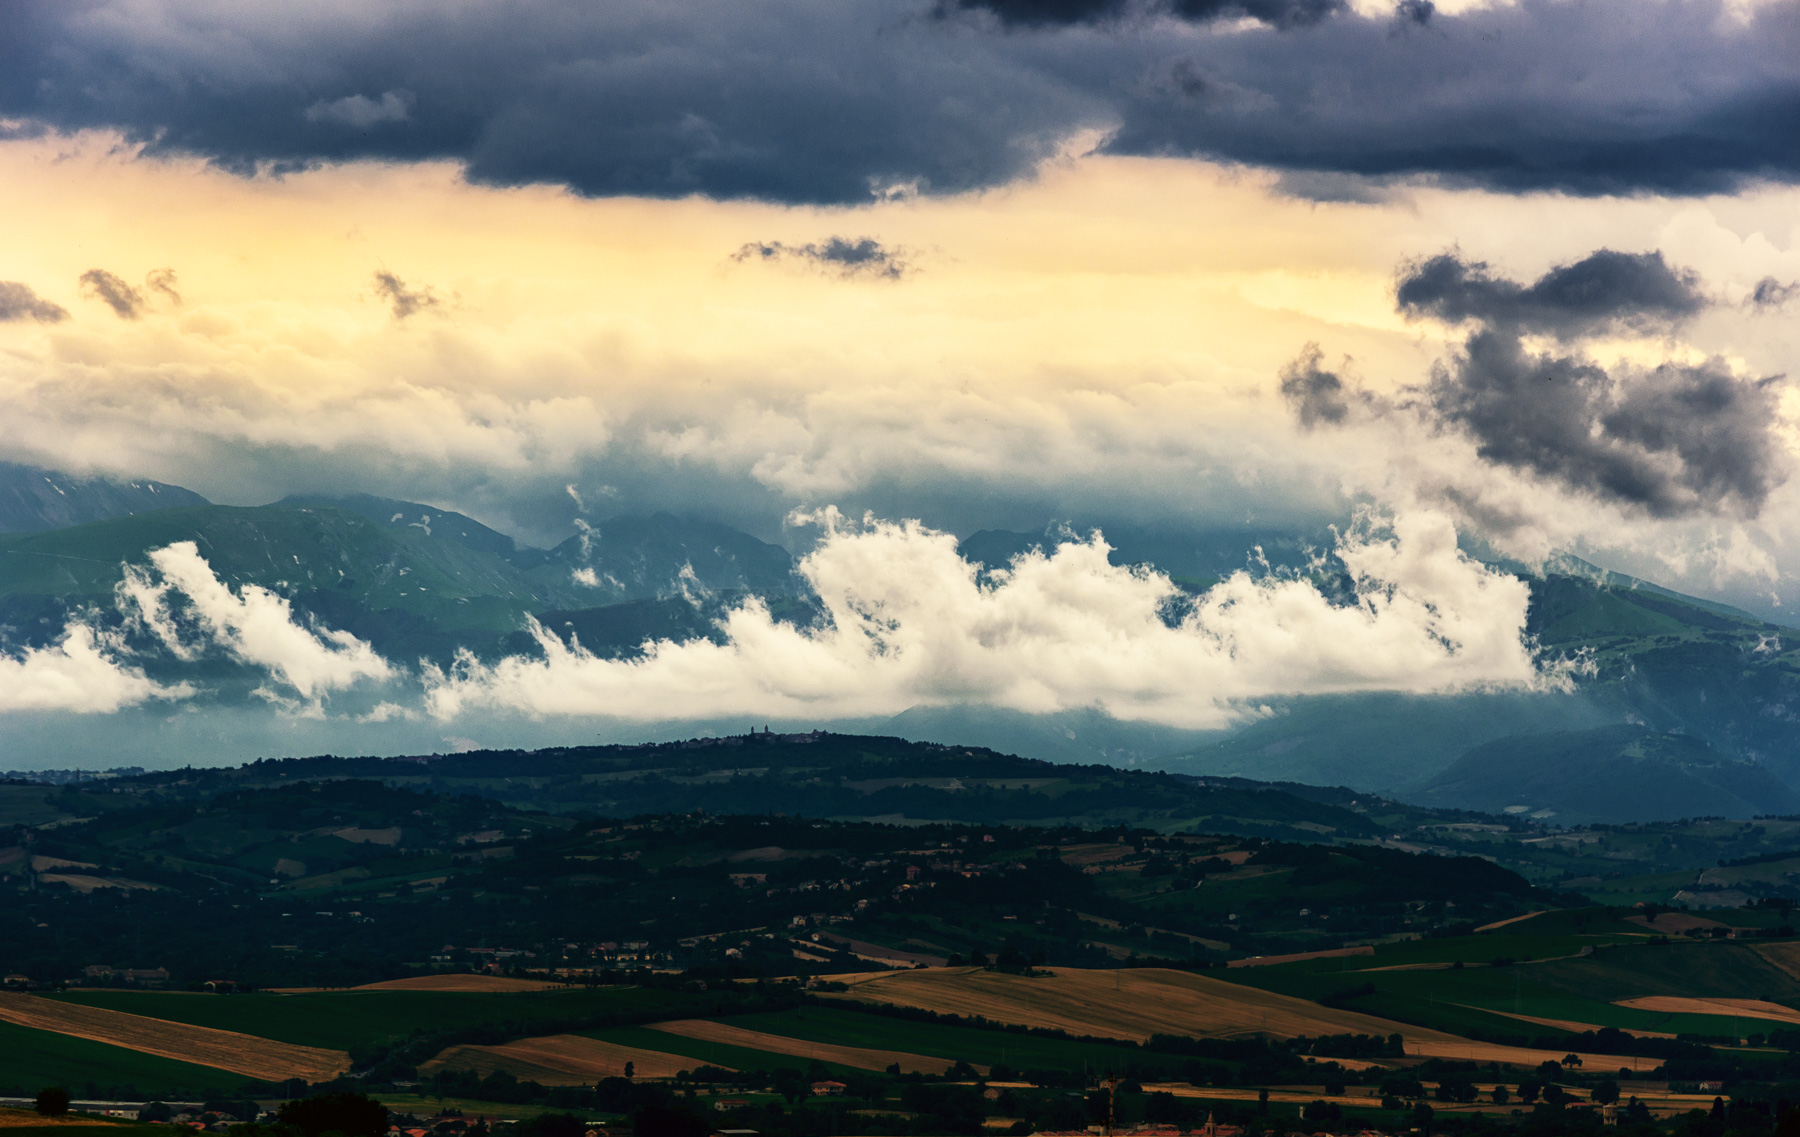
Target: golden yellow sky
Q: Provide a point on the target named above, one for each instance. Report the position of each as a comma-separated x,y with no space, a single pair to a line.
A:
1112,323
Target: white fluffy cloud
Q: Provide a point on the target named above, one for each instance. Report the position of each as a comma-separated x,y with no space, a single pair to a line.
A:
253,625
81,673
912,623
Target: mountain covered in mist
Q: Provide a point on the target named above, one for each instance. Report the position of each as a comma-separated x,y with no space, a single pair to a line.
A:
33,499
1705,688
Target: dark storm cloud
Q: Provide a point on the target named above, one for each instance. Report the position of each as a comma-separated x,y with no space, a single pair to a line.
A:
403,300
163,280
1605,289
1672,440
1417,12
1038,13
19,302
125,301
835,100
863,256
1315,395
1771,293
1050,13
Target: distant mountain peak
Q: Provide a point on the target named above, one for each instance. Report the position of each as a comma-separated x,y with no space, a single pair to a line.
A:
392,513
34,499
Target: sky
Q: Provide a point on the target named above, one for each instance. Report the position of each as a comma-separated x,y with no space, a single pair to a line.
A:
855,275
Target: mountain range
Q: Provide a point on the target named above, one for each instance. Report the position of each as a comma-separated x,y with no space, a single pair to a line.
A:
1680,706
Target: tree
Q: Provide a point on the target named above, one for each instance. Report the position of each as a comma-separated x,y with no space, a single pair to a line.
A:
655,1120
1421,1117
53,1101
631,1069
551,1125
354,1115
1606,1091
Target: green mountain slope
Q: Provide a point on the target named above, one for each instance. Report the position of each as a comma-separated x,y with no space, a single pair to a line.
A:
1614,773
34,499
1639,654
413,580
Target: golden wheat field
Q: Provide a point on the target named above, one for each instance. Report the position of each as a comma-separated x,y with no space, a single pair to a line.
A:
1785,956
1132,1003
1468,1050
1743,1008
1136,1003
860,1057
1568,1024
221,1049
559,1060
481,984
31,1119
487,983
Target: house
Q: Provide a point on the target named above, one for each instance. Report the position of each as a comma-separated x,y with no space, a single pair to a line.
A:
823,1089
725,1104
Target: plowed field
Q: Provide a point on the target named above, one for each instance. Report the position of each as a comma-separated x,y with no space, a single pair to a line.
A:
32,1119
1129,1003
221,1049
460,983
860,1057
559,1060
487,984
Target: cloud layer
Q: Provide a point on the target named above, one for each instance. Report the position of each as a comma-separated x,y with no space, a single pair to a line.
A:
252,625
910,623
80,674
1672,439
184,606
820,101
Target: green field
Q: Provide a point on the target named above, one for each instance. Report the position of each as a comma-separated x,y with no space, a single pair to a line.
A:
970,1044
1577,990
39,1058
344,1020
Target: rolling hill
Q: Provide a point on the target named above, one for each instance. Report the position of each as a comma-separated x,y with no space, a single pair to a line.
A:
1611,774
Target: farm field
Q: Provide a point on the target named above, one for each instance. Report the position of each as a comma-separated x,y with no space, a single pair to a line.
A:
427,1104
344,1020
948,1042
693,1052
1468,1050
38,1058
1577,993
244,1054
1721,1008
862,1058
558,1059
1129,1004
446,982
1660,1103
28,1123
1137,1003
